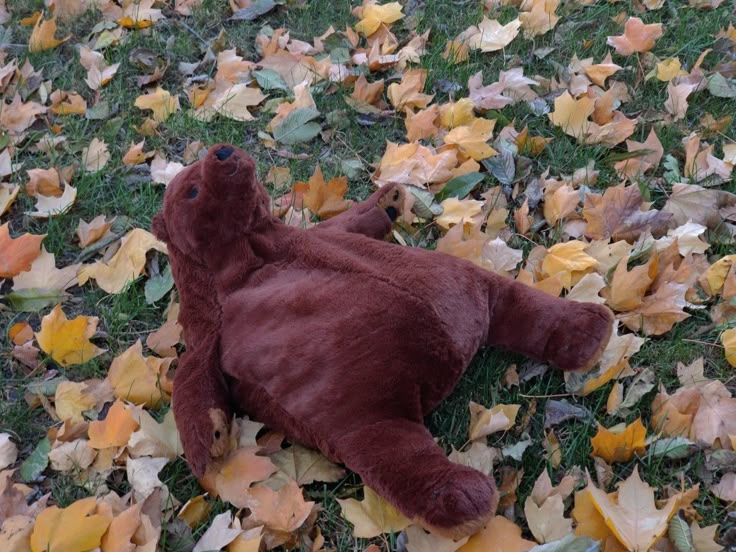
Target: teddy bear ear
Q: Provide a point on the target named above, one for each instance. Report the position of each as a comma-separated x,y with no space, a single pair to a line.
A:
158,227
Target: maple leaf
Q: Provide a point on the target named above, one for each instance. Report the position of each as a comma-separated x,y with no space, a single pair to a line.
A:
42,38
219,534
143,477
71,528
617,215
326,199
305,466
415,164
455,211
8,451
162,171
715,419
455,114
704,538
492,36
547,522
95,156
154,438
44,275
677,94
471,140
160,102
283,511
372,516
72,399
127,263
637,37
17,254
636,166
421,125
139,15
599,72
499,535
408,93
499,257
627,288
135,154
115,430
90,232
8,193
484,421
572,115
538,17
99,73
231,101
373,15
621,446
487,97
239,471
139,379
560,200
660,311
67,341
67,103
569,261
693,203
17,116
632,515
728,340
668,69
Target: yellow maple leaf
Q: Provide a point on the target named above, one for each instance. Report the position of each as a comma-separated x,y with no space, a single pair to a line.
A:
569,260
627,288
140,15
90,232
621,446
714,278
372,516
160,102
455,114
408,93
471,140
560,200
632,515
42,37
67,103
241,469
126,265
422,124
114,430
571,115
73,398
669,68
728,340
326,199
17,116
499,535
139,379
67,341
484,421
71,528
492,36
135,154
374,15
538,17
455,211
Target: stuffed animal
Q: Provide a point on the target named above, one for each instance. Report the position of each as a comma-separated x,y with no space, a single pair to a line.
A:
342,340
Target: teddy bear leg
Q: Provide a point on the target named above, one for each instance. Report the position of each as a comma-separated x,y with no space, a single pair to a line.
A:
568,334
401,462
372,217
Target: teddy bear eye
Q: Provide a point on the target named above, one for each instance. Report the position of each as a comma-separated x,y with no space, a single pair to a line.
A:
193,192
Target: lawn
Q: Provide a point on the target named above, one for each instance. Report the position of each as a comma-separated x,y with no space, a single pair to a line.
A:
172,68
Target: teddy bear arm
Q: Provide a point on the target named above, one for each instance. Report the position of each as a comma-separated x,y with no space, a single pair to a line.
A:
400,460
372,217
568,334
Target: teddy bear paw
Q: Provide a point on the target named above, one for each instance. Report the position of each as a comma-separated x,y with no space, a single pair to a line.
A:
392,202
220,433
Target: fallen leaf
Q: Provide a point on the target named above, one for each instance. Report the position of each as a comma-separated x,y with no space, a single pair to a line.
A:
67,341
43,36
704,538
140,15
115,430
471,140
8,193
153,438
18,116
326,199
305,466
50,206
239,472
99,73
725,489
637,37
493,36
419,540
499,535
627,287
547,522
373,15
637,166
72,399
571,115
284,511
599,72
135,154
219,534
660,311
67,103
71,528
728,340
622,446
484,421
455,211
126,265
537,18
8,451
569,261
143,476
17,254
372,516
90,232
72,456
587,290
408,95
44,275
139,379
122,530
677,94
669,68
95,156
633,516
160,102
162,171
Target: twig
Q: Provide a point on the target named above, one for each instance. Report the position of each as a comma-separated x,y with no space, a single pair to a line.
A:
555,396
704,343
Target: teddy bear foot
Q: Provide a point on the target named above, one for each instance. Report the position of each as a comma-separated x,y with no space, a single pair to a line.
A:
463,507
578,344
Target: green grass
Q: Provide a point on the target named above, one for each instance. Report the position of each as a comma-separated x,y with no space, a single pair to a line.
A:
118,191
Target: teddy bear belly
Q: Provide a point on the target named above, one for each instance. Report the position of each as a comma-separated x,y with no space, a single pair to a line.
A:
327,350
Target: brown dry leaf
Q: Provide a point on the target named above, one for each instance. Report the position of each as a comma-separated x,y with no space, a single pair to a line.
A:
195,511
560,201
135,154
326,199
71,528
415,164
621,446
677,94
17,254
305,466
162,171
241,469
8,193
422,125
484,421
547,522
419,540
122,530
588,289
98,72
231,101
143,477
163,340
637,166
8,451
408,95
499,535
637,37
538,17
471,140
659,312
704,538
368,93
126,265
627,287
67,341
618,215
42,37
71,456
50,206
115,430
90,232
633,516
139,379
67,103
17,116
44,181
715,419
283,511
571,115
589,521
44,275
160,102
95,156
372,516
599,72
693,203
491,36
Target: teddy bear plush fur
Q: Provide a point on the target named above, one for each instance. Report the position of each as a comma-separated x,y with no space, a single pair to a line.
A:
342,340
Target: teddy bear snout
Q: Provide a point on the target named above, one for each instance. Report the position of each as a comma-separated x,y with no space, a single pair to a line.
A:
223,153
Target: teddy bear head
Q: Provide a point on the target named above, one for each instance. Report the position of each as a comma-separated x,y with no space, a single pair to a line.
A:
212,202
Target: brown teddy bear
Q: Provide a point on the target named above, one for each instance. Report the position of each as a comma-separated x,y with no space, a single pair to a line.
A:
341,340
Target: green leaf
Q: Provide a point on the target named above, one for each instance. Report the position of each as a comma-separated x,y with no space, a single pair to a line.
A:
32,466
459,186
351,167
297,127
34,299
680,535
425,206
721,87
254,11
502,166
159,285
675,448
268,79
45,387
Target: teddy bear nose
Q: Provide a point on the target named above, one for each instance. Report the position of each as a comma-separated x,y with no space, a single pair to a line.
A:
223,153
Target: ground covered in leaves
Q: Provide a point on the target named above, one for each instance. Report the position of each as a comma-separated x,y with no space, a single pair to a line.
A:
583,147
